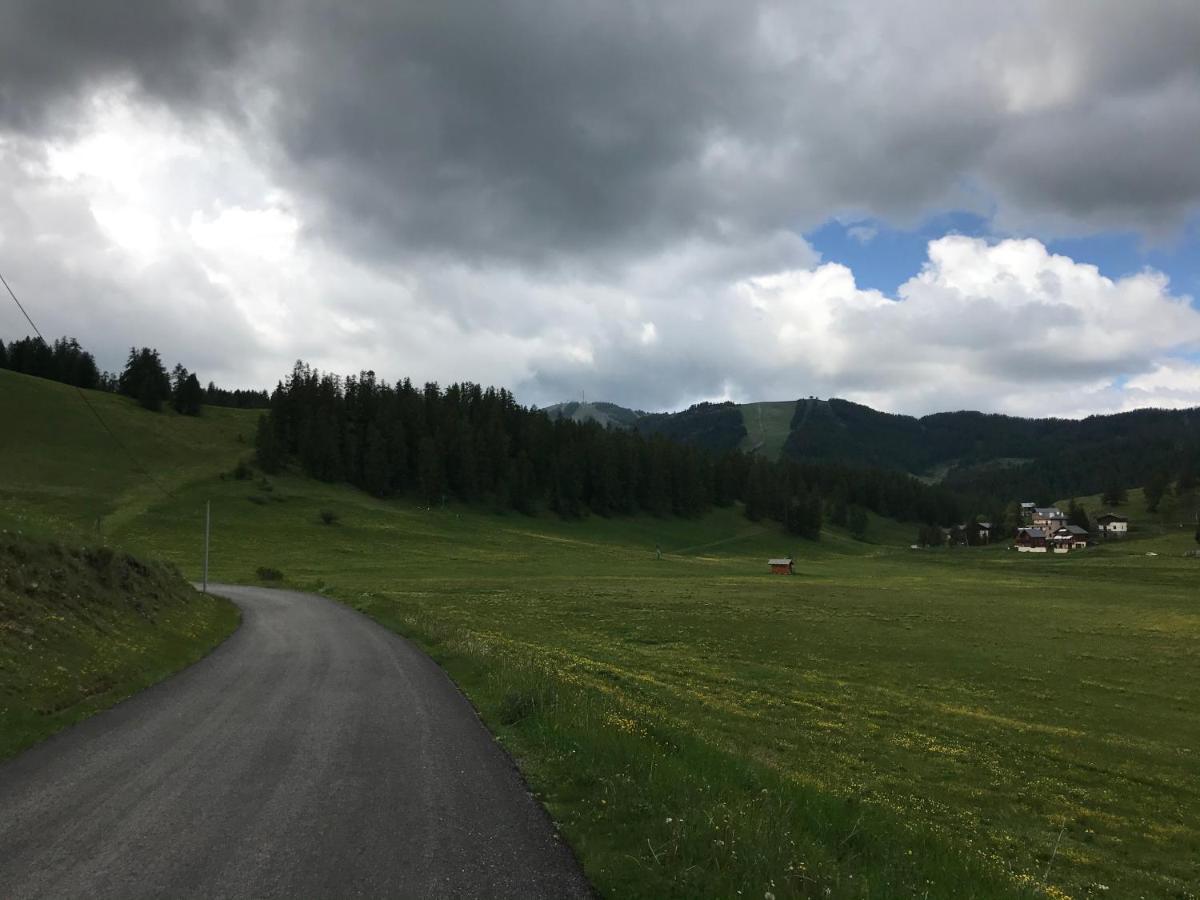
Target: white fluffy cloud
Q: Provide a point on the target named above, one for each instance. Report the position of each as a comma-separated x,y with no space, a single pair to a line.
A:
999,326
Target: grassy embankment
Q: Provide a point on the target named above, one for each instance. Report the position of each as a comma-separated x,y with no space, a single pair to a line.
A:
83,628
887,723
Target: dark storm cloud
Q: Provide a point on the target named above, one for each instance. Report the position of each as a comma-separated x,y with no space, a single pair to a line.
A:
179,51
559,133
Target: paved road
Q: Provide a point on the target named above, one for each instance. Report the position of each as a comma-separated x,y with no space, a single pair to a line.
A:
313,754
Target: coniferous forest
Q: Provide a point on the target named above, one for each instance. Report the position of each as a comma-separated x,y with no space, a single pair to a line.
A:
144,377
478,445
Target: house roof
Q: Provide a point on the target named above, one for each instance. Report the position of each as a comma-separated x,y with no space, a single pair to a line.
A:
1033,532
985,525
785,561
1111,517
1029,504
1049,512
1072,529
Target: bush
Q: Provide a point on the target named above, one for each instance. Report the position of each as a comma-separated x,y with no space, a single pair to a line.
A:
328,517
242,472
267,573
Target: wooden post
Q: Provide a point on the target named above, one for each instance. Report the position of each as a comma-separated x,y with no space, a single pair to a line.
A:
207,522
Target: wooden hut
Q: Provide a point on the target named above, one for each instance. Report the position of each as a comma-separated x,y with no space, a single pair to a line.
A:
781,566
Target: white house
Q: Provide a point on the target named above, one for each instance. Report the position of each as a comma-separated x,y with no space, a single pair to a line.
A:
1112,524
1049,518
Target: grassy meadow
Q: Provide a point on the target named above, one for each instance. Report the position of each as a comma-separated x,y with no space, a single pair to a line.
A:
887,723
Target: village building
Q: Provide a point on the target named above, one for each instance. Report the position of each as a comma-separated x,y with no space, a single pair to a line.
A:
1069,537
1049,518
781,566
1027,509
1112,525
1031,540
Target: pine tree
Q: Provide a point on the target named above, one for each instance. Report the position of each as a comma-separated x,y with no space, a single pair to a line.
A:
1185,483
3,356
1114,494
145,379
1077,515
430,477
1155,487
375,463
268,449
858,522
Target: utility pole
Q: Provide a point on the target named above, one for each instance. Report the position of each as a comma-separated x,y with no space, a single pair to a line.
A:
207,523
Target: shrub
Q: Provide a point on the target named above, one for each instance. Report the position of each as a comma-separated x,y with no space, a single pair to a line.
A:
242,472
328,517
267,573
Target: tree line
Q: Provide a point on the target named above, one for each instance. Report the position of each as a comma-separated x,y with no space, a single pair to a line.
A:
478,445
144,377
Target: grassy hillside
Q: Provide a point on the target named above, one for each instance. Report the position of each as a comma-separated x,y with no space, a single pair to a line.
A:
943,723
81,629
1175,517
62,474
767,427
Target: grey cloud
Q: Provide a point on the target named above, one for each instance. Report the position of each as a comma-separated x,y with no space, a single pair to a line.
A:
585,135
179,51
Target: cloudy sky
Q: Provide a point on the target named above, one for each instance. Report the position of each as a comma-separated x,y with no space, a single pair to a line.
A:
949,205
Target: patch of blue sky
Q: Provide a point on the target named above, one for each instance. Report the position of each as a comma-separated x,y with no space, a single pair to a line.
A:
883,258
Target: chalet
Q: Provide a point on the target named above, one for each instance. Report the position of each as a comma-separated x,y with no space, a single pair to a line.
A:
1110,524
1049,518
984,531
1069,537
1027,509
1031,540
782,566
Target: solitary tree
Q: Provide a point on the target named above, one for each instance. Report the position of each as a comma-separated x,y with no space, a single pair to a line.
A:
1114,494
1077,515
268,450
145,379
857,519
1156,486
1186,482
186,393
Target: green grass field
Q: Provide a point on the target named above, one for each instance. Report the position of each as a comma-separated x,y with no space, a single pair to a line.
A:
942,723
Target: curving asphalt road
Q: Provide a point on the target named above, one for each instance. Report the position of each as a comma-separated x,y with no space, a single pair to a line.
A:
313,754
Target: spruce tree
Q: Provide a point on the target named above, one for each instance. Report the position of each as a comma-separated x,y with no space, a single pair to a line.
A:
430,478
1155,487
1114,494
858,522
144,379
268,450
1077,515
375,463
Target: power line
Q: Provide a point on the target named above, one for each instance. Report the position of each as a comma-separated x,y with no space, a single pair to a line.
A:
138,467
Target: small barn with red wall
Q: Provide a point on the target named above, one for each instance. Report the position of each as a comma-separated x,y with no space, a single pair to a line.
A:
781,566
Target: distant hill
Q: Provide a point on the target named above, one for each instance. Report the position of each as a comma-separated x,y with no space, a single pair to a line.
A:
981,453
604,413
